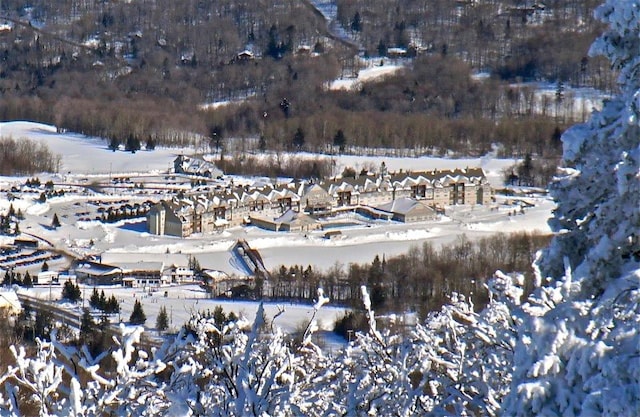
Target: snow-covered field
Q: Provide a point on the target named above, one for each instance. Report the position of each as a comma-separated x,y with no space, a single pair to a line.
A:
183,301
89,155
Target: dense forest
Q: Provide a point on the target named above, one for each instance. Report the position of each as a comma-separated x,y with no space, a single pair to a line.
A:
143,69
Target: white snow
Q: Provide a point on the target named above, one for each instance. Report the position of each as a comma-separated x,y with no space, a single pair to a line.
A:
365,75
90,155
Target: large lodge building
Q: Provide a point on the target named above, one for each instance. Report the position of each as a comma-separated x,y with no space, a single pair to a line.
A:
430,190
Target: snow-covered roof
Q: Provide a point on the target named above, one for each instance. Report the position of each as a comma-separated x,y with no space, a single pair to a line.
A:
141,266
401,206
96,269
215,274
9,300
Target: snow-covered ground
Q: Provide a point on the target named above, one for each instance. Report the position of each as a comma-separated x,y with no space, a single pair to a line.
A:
90,155
124,240
183,301
368,74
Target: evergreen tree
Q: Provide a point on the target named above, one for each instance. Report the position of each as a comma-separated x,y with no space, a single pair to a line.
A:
94,300
133,143
285,106
17,278
55,223
582,331
112,307
8,278
137,315
194,265
114,144
525,171
43,324
298,139
275,47
71,291
151,144
382,48
87,327
340,140
262,143
356,22
27,281
45,266
162,321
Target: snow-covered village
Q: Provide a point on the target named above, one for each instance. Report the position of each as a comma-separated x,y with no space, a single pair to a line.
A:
172,272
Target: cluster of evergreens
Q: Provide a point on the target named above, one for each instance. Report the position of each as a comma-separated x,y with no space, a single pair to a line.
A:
10,222
12,277
100,302
71,292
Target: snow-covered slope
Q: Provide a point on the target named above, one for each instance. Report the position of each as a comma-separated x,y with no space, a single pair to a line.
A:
89,155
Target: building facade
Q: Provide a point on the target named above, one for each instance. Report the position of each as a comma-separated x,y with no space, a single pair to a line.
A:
232,206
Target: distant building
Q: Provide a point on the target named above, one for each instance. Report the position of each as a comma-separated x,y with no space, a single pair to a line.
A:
243,56
25,242
290,221
179,274
142,274
408,210
96,273
406,196
314,199
195,166
46,277
168,218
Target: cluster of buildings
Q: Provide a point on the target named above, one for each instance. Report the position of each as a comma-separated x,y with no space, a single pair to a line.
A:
406,197
141,274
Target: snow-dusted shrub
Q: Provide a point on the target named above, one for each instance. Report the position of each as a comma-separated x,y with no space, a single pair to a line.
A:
457,363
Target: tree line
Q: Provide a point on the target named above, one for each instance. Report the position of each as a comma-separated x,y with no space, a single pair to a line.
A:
25,157
420,280
277,165
149,89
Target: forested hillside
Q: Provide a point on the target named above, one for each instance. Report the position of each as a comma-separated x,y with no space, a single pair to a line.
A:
144,68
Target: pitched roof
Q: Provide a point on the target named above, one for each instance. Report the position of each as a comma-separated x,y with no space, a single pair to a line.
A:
402,206
292,217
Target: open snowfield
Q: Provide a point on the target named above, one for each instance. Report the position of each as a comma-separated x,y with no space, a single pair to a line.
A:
183,301
89,155
365,75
